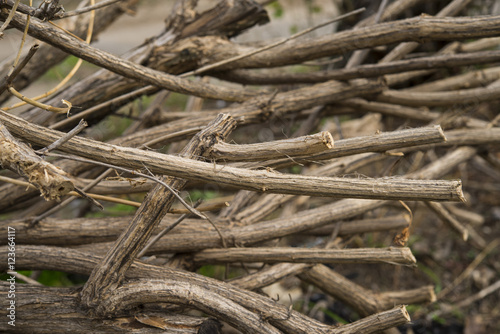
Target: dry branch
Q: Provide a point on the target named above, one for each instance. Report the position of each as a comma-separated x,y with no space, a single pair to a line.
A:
259,180
45,309
300,146
79,231
251,234
51,181
135,293
378,322
362,300
397,222
128,69
14,72
139,296
111,271
419,29
48,56
380,142
277,77
436,99
289,254
405,48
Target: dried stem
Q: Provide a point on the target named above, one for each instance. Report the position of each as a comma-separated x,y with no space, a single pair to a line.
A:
51,181
286,254
300,146
89,8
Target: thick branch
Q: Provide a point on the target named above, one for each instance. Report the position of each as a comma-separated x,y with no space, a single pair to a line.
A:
70,260
79,231
419,29
140,292
50,309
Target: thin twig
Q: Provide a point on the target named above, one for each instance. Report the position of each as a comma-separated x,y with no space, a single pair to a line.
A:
116,101
90,199
9,18
82,193
73,71
153,178
11,74
359,55
191,209
165,231
208,207
491,246
17,69
74,193
270,46
448,219
82,125
24,278
41,105
445,309
89,8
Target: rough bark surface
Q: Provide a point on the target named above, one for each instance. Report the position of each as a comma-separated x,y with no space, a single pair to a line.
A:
326,180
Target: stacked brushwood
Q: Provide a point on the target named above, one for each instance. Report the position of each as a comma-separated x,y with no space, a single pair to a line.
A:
303,161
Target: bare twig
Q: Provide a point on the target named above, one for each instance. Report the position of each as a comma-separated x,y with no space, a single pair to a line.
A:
134,172
393,255
470,268
82,125
17,69
9,18
72,193
165,231
359,56
88,8
24,278
126,97
446,217
41,105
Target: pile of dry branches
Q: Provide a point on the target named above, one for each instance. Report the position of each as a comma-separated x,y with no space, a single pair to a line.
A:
303,163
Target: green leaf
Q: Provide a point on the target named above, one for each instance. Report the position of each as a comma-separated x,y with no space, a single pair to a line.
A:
277,9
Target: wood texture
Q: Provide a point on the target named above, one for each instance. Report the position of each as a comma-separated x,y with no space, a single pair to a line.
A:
300,146
407,124
265,180
288,254
109,274
51,181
